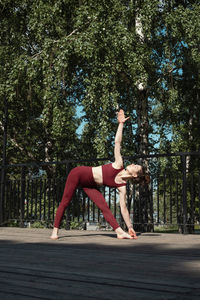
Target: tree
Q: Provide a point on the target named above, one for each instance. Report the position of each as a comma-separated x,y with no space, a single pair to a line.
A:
42,123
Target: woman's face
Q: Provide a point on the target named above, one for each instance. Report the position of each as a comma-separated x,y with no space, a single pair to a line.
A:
134,170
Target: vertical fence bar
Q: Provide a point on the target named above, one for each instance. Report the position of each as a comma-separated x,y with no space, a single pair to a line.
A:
115,200
14,202
170,200
184,193
31,198
68,217
93,212
134,204
73,204
128,197
98,215
7,199
84,207
109,197
49,199
139,208
45,195
27,199
22,198
177,205
76,204
164,199
18,199
88,209
192,206
80,208
104,195
10,199
12,207
36,198
54,195
158,200
151,202
40,200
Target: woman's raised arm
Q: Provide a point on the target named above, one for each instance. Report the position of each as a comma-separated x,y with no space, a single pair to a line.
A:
118,139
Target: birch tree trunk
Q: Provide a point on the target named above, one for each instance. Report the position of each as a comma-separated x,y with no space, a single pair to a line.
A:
143,214
190,161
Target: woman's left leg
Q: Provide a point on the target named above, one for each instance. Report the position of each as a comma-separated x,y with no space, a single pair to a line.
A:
99,200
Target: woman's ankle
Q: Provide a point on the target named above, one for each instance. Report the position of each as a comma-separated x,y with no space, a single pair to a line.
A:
119,230
54,234
55,231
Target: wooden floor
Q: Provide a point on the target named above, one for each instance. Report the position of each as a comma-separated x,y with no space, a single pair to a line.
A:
96,265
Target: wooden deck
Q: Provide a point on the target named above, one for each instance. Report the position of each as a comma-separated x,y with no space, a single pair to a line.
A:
96,265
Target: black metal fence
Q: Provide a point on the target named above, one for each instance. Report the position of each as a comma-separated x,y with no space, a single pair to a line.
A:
32,192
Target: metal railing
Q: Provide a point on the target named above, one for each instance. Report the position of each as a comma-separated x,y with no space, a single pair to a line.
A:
32,192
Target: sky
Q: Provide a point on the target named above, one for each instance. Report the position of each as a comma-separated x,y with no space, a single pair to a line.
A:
80,113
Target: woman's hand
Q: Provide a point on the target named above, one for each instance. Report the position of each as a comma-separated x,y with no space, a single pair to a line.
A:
132,233
121,117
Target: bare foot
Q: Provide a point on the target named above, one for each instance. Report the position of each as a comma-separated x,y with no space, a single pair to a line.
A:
54,235
121,234
125,236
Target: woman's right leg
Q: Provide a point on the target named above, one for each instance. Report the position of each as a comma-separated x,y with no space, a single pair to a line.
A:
81,175
70,186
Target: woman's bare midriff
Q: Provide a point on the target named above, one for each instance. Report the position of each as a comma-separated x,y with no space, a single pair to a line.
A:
97,175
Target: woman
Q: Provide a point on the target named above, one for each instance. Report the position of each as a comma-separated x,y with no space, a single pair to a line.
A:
113,175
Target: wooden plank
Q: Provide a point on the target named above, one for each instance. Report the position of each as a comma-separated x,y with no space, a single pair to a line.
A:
43,286
96,265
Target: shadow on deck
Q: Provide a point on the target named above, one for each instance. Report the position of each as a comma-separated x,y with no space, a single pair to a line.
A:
96,265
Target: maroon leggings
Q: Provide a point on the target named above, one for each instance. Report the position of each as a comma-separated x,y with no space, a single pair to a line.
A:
83,177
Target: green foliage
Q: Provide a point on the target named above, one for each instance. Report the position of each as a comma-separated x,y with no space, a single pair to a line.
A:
42,123
57,55
179,102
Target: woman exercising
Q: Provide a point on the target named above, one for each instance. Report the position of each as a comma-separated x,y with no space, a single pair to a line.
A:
112,175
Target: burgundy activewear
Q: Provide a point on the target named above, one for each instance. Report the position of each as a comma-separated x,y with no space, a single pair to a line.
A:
109,174
83,177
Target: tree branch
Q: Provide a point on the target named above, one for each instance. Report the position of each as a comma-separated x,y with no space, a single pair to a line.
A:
21,148
56,41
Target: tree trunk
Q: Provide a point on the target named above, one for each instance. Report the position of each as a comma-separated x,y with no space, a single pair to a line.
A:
144,206
143,215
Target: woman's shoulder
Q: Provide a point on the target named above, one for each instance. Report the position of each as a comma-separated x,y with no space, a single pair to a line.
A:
117,165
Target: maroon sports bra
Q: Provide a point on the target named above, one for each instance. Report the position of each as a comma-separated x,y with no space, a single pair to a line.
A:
109,174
